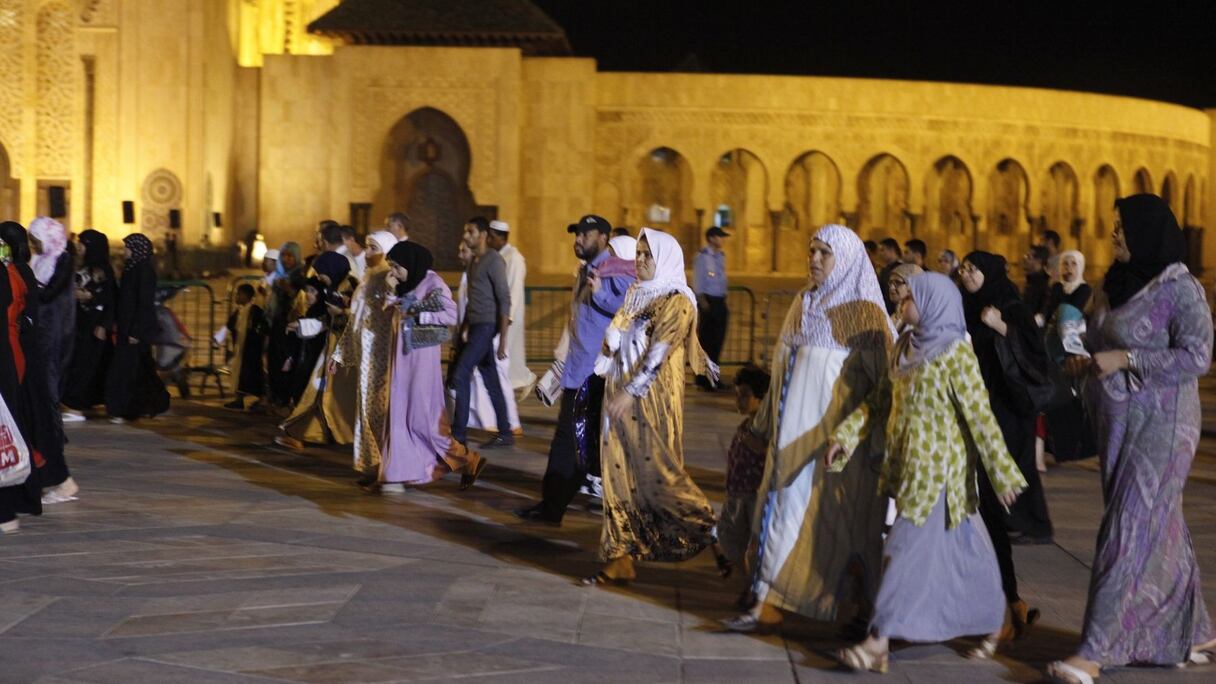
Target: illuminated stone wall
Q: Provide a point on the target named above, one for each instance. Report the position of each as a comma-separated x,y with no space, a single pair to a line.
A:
163,102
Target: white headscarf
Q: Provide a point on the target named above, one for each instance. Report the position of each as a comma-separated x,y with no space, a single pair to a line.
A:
624,246
841,312
668,273
1079,278
384,240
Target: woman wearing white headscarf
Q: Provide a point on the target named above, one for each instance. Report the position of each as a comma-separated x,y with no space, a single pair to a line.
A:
366,347
820,539
55,270
652,508
1068,428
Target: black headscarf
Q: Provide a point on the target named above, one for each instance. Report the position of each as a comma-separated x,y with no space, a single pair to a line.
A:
414,258
997,289
1154,240
333,266
96,251
13,234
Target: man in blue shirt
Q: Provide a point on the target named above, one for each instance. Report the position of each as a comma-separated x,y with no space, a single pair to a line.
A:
596,301
709,282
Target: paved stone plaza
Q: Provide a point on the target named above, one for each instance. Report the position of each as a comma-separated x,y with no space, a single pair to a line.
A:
201,553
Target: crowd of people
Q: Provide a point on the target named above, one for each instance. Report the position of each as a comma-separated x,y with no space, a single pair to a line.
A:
885,465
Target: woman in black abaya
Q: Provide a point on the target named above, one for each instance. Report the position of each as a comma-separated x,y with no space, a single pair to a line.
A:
96,290
18,327
133,389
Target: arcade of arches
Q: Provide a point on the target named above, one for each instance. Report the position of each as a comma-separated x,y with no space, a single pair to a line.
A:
234,111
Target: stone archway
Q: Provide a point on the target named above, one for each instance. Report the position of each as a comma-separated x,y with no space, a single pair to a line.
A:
424,171
10,189
1007,231
738,200
1142,182
882,200
662,197
1098,250
812,195
1171,195
1190,205
1061,194
948,222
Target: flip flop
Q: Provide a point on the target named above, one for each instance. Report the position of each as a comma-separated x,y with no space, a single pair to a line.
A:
1063,673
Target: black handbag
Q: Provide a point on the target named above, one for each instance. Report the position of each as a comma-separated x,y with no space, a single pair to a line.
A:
1035,384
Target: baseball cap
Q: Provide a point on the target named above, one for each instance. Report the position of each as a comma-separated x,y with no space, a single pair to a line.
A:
715,231
590,222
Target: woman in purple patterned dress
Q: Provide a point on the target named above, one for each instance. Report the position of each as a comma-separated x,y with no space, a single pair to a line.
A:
1151,340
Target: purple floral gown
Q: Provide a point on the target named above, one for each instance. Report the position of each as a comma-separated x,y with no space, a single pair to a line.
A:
1145,603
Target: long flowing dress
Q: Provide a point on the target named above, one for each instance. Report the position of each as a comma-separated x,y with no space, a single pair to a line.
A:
418,445
652,508
26,497
517,353
86,377
133,387
247,330
1067,426
326,411
1145,602
366,347
941,579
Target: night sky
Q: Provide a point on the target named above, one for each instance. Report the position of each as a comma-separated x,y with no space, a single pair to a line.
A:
1160,50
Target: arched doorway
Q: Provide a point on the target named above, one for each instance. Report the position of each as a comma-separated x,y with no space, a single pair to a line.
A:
424,171
1007,231
1061,193
1098,250
1190,205
948,222
10,190
812,195
1169,193
1142,182
882,200
663,197
739,199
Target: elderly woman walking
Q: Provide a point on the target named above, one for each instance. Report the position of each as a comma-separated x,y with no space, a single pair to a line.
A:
652,509
820,539
941,579
1151,340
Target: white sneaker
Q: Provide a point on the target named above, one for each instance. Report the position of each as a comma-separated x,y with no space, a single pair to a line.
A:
55,497
392,488
10,527
73,417
118,421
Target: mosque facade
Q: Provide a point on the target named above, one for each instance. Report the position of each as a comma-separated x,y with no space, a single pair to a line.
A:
209,119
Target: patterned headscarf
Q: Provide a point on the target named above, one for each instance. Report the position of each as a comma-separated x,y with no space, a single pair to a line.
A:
940,306
847,311
140,247
54,239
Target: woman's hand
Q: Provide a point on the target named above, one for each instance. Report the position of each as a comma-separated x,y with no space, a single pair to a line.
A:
991,316
1007,498
293,326
619,405
1106,362
392,281
83,295
100,333
1076,366
835,451
332,368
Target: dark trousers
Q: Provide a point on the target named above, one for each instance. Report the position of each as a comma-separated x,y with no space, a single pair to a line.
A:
711,331
564,475
993,514
478,352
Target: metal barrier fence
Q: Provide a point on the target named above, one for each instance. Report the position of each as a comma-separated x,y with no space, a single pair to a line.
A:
776,304
547,312
194,305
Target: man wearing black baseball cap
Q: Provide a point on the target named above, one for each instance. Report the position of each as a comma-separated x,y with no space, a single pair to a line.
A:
596,301
709,282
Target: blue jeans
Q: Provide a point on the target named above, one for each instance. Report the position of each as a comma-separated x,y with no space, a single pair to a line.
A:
479,353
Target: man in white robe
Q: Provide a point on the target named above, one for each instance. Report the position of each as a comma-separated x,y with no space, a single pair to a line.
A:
522,379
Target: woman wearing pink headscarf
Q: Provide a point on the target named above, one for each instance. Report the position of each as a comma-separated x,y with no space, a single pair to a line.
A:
54,270
820,538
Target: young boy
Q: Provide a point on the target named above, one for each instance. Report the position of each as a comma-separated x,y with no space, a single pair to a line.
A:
744,469
246,328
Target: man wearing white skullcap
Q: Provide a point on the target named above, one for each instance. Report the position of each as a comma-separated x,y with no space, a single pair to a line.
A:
521,378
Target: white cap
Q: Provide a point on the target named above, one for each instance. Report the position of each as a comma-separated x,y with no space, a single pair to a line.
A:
272,254
500,226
